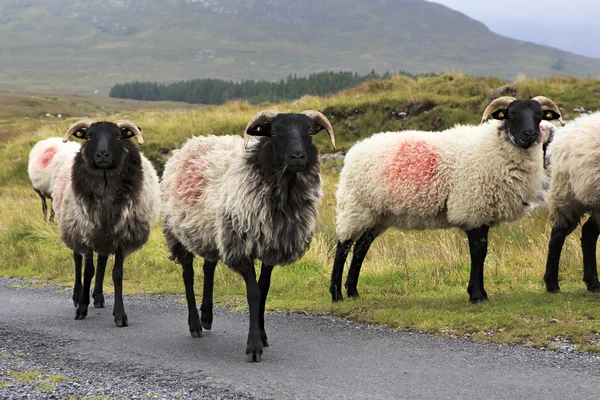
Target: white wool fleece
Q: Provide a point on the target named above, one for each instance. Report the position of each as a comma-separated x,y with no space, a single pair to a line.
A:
465,177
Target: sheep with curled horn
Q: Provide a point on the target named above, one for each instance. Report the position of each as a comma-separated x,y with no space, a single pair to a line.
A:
471,177
107,198
237,200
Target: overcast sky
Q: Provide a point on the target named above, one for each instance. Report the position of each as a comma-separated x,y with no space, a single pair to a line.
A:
570,25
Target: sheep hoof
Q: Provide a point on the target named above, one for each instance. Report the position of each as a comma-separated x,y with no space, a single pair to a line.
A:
478,298
336,294
594,287
196,334
552,287
206,325
254,351
352,292
82,311
195,325
254,357
98,300
121,320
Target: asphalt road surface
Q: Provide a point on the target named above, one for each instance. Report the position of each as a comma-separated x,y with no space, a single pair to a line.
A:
310,356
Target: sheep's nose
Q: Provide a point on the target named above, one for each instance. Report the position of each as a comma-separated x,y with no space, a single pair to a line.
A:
102,154
529,132
297,156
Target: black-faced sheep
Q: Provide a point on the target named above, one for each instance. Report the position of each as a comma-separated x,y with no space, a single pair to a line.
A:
574,157
45,160
469,177
107,200
225,200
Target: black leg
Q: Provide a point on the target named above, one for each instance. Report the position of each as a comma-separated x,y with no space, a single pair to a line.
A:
88,274
98,293
206,308
358,255
51,210
478,242
78,258
264,283
557,240
186,259
589,238
44,206
341,253
117,275
254,347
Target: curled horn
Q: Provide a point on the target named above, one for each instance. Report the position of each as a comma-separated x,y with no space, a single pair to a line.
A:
321,119
500,101
259,118
84,123
544,101
122,123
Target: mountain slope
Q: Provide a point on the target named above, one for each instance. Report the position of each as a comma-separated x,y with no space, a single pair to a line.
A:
70,44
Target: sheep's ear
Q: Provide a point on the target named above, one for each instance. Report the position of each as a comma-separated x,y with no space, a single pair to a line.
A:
550,115
80,133
500,114
317,127
261,129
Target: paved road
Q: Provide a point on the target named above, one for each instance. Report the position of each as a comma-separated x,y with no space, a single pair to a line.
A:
309,357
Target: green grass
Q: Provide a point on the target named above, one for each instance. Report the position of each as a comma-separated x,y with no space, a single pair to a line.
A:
409,281
42,381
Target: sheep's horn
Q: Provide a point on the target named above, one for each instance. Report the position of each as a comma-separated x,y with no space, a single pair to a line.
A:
544,101
321,119
84,123
500,101
123,123
259,118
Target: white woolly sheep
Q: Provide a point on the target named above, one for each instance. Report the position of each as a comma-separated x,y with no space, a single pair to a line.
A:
107,199
575,180
223,200
45,160
469,177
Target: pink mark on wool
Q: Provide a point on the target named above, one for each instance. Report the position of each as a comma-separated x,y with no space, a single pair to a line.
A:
414,163
46,157
190,182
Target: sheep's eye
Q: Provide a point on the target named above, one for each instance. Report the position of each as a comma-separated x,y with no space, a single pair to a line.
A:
274,133
312,132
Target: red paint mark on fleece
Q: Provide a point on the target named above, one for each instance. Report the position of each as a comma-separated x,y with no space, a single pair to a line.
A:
414,164
47,156
190,182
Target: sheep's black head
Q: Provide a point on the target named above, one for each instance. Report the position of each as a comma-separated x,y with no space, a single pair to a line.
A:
105,145
522,117
288,138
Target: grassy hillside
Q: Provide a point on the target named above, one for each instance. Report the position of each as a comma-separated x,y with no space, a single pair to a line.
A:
410,280
69,44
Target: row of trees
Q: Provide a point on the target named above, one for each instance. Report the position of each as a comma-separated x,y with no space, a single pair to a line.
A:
217,91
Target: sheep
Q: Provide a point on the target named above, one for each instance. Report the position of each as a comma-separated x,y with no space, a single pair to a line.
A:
575,179
45,160
468,177
237,200
107,199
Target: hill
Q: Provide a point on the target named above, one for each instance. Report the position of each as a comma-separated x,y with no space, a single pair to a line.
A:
91,45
